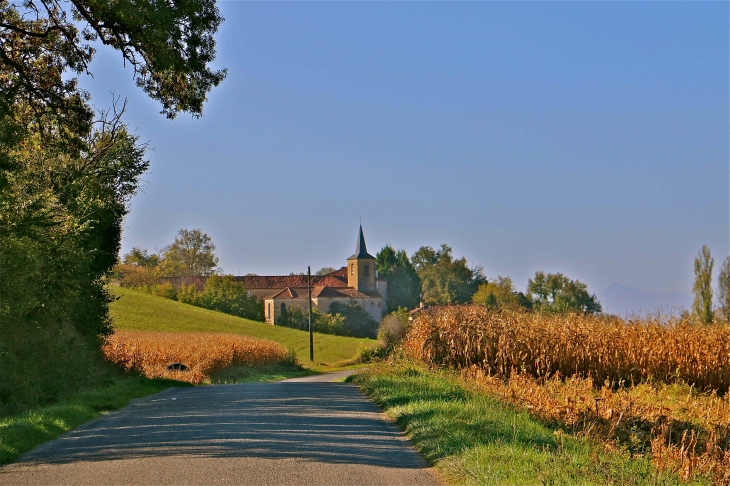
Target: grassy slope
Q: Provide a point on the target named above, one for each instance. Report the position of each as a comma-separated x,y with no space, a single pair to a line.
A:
476,439
25,431
144,312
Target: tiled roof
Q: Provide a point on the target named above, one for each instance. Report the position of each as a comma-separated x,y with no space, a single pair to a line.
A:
334,279
324,292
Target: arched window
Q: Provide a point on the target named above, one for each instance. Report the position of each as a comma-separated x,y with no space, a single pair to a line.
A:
352,269
366,270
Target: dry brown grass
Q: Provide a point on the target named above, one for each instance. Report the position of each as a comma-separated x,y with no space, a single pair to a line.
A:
629,384
203,353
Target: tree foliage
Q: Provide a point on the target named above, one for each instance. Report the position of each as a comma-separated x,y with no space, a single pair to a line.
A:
357,322
702,305
223,294
67,174
723,290
404,285
297,318
445,279
500,294
141,258
555,292
325,271
190,255
60,226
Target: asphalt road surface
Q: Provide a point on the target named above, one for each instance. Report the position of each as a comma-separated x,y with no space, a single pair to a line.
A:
300,432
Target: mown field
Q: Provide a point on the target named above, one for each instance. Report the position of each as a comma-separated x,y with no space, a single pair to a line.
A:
649,390
143,312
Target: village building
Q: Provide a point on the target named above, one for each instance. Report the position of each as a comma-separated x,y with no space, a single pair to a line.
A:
357,282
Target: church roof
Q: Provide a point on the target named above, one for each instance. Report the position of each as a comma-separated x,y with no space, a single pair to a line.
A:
324,292
361,250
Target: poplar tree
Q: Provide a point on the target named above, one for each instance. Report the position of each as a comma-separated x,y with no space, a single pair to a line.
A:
723,290
702,305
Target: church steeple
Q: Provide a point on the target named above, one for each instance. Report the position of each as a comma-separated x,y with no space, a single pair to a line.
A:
361,267
361,250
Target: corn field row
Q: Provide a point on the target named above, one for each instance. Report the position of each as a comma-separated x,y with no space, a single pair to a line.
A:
604,349
203,353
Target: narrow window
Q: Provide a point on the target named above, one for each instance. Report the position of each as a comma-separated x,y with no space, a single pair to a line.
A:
352,269
283,309
366,270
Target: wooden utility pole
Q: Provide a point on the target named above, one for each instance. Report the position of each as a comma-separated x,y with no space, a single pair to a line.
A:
309,290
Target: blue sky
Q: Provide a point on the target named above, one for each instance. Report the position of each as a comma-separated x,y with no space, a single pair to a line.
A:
587,138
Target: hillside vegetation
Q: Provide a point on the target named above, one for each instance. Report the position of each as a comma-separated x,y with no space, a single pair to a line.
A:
135,310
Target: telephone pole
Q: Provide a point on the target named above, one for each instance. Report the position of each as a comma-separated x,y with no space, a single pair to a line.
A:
309,290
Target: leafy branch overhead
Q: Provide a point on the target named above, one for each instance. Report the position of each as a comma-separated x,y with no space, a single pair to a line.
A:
169,44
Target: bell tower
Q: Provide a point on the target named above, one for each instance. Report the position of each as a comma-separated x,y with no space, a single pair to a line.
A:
361,267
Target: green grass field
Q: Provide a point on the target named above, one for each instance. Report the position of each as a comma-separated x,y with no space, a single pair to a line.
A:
139,311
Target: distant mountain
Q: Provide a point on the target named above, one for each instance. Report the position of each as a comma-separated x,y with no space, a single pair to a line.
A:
620,300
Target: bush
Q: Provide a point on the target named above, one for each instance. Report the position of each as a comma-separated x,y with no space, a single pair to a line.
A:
358,323
297,318
393,328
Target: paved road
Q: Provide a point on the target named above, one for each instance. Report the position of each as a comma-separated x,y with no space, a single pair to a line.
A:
303,431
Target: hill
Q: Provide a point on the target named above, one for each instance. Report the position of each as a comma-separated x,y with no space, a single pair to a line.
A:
135,310
620,300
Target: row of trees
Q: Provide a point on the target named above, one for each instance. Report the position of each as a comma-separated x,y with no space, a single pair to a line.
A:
436,277
67,172
702,306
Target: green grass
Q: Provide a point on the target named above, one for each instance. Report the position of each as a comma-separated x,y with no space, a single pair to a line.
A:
22,432
473,438
258,374
139,311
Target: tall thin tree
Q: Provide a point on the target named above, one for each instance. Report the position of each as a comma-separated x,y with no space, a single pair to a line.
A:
702,305
723,290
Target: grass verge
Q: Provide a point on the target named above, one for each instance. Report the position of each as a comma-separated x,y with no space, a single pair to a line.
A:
139,311
473,438
22,432
258,374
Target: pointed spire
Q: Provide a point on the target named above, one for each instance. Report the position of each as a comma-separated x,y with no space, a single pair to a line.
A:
361,250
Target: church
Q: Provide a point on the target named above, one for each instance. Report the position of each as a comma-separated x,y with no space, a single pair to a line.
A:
358,282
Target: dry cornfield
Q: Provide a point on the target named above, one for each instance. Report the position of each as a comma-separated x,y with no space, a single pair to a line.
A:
604,349
203,353
629,384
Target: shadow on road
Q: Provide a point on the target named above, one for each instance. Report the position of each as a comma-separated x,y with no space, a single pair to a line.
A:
324,422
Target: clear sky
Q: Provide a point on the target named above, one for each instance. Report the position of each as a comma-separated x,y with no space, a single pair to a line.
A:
587,138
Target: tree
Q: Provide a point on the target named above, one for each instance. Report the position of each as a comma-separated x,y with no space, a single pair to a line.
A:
404,285
141,258
191,255
555,292
498,294
723,290
444,279
67,175
325,271
702,305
